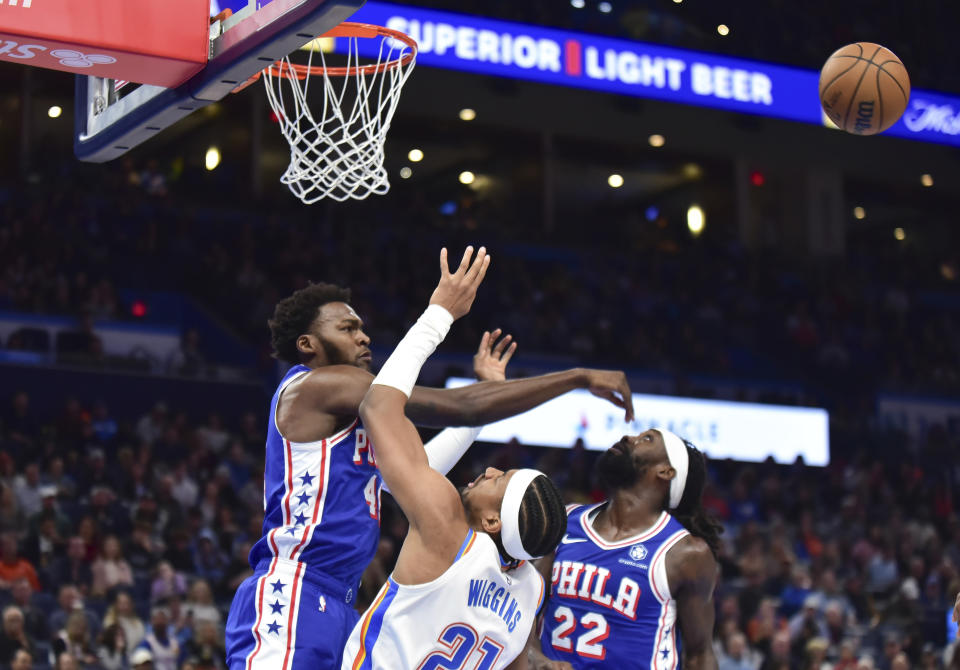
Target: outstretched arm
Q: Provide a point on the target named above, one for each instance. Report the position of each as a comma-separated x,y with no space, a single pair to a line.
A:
428,499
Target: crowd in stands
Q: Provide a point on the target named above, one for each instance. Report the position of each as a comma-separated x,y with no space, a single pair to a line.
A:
875,319
123,538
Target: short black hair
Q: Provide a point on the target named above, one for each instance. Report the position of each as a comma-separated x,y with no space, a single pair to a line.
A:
294,314
543,517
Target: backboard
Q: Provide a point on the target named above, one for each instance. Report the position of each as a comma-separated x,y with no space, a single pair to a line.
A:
112,117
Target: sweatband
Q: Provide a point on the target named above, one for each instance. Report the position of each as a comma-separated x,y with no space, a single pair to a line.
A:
680,461
510,513
447,448
403,367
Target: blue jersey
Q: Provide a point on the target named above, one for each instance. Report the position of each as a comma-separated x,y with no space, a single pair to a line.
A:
610,605
321,500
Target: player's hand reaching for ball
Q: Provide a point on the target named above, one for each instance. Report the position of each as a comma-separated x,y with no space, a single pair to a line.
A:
490,361
611,385
456,291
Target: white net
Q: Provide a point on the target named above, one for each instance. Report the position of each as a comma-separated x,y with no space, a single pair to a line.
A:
336,147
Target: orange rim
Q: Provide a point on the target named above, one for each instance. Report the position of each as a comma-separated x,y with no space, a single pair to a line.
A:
365,30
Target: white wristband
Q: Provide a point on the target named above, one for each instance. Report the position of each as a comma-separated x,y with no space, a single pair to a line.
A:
403,366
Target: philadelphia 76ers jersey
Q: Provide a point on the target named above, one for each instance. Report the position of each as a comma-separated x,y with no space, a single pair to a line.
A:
475,615
610,605
321,500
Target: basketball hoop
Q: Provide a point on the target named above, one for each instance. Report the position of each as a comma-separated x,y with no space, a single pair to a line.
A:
336,149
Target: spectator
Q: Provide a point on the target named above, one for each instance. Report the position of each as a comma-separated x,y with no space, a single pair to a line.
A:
200,603
209,560
19,422
123,614
22,660
110,569
151,425
75,638
12,519
13,566
72,568
163,647
168,583
816,653
737,655
34,619
188,360
141,659
27,489
112,649
65,661
779,656
70,602
104,426
142,549
14,635
206,649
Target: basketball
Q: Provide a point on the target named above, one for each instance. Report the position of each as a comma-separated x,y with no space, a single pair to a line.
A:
864,88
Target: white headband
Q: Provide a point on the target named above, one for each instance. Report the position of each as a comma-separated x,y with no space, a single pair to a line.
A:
680,460
510,513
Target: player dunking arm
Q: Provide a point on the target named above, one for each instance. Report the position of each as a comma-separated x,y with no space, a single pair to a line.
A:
458,596
632,580
321,483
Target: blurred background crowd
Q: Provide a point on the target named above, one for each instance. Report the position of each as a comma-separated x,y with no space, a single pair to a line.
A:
123,531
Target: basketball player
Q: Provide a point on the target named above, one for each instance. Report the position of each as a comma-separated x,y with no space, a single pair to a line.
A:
633,577
321,484
461,594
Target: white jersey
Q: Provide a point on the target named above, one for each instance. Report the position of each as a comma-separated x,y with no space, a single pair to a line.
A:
475,615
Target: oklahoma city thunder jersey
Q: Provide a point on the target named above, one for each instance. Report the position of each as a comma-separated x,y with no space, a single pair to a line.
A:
610,605
321,500
475,615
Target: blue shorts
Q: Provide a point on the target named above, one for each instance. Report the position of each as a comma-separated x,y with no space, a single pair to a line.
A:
286,617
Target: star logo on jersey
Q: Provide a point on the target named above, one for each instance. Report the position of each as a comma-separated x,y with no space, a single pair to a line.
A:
273,628
638,552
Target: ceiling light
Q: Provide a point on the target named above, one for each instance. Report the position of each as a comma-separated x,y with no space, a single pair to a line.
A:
415,155
54,111
926,179
656,140
405,172
212,159
467,177
605,7
859,212
467,114
723,29
615,181
578,4
695,220
900,234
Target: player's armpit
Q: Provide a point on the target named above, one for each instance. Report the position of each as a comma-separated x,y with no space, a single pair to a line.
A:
692,575
427,498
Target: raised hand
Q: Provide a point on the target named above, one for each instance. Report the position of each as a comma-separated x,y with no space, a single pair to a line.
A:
490,361
456,291
611,385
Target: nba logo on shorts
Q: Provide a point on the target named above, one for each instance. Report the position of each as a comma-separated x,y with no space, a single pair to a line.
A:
638,552
323,604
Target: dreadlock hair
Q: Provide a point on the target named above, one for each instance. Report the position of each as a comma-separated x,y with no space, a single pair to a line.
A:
294,314
543,517
690,512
